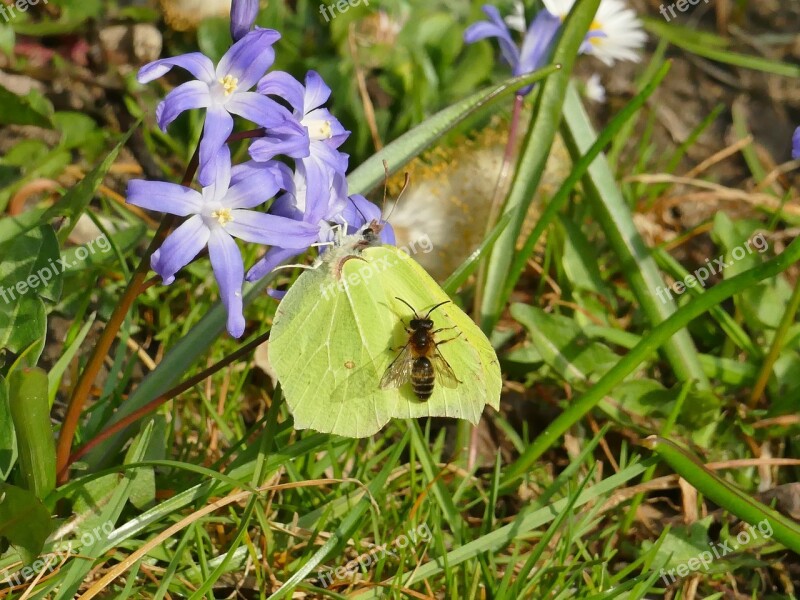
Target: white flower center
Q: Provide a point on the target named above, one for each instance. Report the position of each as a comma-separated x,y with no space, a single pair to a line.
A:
319,129
223,216
229,84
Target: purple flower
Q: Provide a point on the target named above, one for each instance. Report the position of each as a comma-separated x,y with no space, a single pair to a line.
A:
316,210
796,144
536,45
217,215
222,90
311,137
243,16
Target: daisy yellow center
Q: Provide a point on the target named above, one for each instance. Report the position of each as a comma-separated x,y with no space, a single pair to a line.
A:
223,215
229,84
320,130
595,28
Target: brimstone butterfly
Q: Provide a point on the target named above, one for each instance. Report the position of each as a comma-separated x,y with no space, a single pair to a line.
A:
338,328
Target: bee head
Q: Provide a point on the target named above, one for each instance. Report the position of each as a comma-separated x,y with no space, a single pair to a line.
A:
418,324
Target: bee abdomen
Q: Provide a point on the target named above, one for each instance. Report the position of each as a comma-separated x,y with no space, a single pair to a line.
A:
422,378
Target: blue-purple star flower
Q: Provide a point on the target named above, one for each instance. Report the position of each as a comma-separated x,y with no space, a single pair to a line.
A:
796,144
218,214
222,90
243,16
536,45
314,135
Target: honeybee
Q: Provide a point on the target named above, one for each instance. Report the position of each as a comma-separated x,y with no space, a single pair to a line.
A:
420,361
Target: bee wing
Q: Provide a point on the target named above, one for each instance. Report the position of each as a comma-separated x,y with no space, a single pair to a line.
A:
444,372
399,371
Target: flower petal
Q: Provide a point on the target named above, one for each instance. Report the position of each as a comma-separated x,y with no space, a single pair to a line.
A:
197,63
538,42
273,258
281,172
180,247
271,230
219,173
278,83
494,27
164,197
261,184
290,139
796,144
226,260
243,16
259,109
317,92
192,94
218,126
249,58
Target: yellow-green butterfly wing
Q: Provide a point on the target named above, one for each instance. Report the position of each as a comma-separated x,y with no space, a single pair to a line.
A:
340,326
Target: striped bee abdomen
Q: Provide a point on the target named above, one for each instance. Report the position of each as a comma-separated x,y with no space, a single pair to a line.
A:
422,378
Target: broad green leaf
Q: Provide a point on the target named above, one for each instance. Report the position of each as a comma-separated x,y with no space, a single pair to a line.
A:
563,346
24,521
30,412
17,110
8,441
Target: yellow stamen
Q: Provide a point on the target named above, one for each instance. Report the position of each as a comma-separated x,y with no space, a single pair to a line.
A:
320,130
223,215
230,83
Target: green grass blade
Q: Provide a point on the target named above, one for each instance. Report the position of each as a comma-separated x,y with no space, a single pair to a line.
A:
716,489
638,265
533,157
649,343
579,169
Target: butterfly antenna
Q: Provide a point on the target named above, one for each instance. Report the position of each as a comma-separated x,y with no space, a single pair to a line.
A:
435,307
414,310
386,187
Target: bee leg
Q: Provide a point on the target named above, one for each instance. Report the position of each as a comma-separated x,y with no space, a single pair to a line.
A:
450,339
443,329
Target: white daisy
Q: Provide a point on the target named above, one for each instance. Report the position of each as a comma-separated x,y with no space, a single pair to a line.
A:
616,33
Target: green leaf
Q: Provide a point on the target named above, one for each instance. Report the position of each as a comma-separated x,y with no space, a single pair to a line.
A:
73,15
17,110
8,441
30,411
563,346
29,271
75,201
24,521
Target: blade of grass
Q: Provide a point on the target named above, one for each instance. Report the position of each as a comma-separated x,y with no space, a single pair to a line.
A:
638,265
649,343
533,157
579,169
722,493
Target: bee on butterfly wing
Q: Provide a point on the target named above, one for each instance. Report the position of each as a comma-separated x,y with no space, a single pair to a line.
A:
420,361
